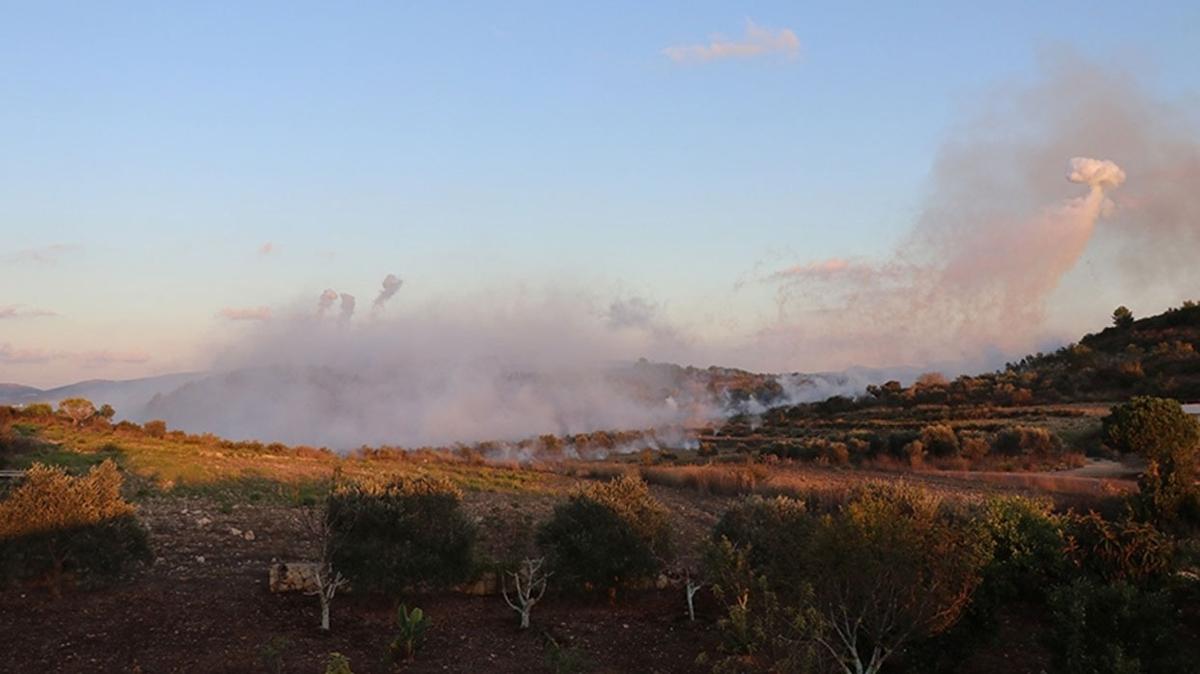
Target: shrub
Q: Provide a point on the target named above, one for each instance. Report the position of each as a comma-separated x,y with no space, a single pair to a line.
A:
891,565
337,663
939,440
1028,548
1156,428
1116,627
771,533
410,632
607,535
1026,440
78,410
1169,439
156,428
54,525
401,534
37,411
758,630
1118,550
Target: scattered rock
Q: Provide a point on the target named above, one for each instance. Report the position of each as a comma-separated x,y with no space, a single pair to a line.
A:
249,535
293,577
234,531
200,559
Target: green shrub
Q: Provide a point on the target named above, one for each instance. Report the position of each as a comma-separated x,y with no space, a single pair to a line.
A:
410,632
759,630
54,525
1026,440
939,440
770,532
1116,627
607,535
37,411
889,565
1155,428
337,663
410,532
1169,439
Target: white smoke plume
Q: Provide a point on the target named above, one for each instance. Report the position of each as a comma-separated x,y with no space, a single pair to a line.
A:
325,301
391,284
493,368
999,233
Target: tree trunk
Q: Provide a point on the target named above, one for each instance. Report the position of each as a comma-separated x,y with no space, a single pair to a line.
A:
525,618
324,612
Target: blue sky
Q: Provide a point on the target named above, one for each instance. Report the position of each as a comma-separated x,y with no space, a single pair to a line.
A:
148,150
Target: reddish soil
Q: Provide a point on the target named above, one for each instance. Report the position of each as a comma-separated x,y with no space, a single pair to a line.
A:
182,614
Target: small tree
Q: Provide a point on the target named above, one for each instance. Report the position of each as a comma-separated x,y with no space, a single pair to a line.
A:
321,527
78,410
529,583
1122,317
892,566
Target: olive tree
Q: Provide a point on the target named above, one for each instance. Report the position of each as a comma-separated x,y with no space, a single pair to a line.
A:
78,410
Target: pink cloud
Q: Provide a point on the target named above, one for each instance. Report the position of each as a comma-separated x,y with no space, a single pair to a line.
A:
757,41
266,249
245,313
21,311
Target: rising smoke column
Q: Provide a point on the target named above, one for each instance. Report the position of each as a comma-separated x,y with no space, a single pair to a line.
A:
325,301
391,284
347,310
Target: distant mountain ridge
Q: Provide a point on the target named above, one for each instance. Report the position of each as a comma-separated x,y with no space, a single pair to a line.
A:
128,396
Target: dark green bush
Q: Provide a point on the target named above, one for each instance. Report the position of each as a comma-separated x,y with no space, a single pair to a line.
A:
606,536
770,532
1169,439
1026,440
1116,627
410,532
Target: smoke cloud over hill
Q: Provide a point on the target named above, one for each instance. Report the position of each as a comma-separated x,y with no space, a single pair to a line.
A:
1000,229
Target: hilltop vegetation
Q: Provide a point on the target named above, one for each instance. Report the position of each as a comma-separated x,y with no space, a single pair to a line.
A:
1158,355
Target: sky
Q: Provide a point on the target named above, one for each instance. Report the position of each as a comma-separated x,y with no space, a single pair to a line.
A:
170,173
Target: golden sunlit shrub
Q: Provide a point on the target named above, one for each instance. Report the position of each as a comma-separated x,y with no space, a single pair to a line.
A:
54,524
156,428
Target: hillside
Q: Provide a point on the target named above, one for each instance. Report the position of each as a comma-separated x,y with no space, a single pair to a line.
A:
1158,355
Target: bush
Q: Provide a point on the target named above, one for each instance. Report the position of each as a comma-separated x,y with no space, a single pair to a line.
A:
55,525
1169,439
406,533
1118,550
1026,440
939,440
1028,548
156,428
771,533
1155,428
607,535
1116,627
890,565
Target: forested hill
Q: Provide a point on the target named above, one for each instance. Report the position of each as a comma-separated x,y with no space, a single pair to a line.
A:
1158,355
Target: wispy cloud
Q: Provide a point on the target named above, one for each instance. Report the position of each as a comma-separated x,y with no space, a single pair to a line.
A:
22,311
245,313
11,355
107,357
15,355
758,41
42,254
266,249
